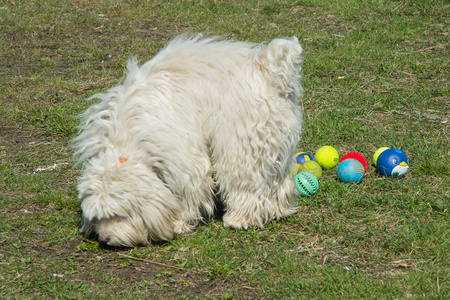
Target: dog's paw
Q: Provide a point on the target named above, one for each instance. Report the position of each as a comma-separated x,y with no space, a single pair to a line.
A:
181,227
230,221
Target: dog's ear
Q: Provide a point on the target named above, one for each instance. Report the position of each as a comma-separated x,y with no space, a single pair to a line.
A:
102,191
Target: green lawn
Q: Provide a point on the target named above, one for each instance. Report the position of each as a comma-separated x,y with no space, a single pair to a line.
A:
376,73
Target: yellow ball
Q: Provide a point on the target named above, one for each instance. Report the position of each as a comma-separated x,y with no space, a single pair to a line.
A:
311,167
377,153
327,157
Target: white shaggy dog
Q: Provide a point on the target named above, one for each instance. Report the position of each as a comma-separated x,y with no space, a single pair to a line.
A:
203,116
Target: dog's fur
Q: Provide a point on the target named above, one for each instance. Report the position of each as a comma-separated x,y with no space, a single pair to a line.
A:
204,115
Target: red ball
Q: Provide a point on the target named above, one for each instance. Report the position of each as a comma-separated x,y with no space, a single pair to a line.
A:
355,155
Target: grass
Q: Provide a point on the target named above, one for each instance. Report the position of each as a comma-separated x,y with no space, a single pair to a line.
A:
375,74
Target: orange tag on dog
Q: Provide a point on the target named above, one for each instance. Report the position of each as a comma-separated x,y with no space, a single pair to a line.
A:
122,160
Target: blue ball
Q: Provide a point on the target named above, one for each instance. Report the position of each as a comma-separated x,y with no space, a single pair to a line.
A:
350,170
392,163
302,157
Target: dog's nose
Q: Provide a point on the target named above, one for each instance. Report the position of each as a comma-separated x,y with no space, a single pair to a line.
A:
103,238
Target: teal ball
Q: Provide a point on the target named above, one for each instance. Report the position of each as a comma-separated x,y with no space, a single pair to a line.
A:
306,183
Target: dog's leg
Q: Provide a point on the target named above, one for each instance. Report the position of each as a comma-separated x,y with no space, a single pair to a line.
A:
252,172
193,187
196,201
259,205
283,192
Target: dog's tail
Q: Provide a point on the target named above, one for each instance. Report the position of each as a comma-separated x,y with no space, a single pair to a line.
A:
281,59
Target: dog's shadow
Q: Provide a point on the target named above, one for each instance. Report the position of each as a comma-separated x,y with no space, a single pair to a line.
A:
220,208
106,247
